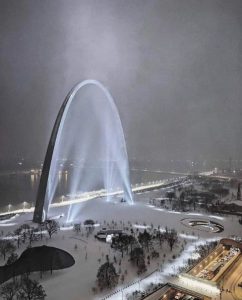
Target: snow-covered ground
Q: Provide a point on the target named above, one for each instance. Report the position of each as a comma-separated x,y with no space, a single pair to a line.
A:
77,282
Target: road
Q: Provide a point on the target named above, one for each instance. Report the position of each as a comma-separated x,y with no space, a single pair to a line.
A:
103,193
231,280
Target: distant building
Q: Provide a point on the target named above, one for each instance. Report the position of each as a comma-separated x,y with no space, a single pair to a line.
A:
239,193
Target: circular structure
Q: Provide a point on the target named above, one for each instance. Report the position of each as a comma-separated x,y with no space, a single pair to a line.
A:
203,225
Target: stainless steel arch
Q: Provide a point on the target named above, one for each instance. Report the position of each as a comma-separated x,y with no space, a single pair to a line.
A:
41,206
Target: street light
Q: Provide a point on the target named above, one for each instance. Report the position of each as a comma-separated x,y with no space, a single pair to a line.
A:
24,205
9,207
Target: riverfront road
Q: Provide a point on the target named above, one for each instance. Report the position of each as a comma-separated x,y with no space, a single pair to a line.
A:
138,188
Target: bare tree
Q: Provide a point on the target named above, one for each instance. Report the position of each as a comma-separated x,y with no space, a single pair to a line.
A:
17,233
9,290
31,235
145,239
52,227
141,266
171,237
122,242
160,237
12,258
24,232
77,228
137,255
41,228
31,290
107,276
6,247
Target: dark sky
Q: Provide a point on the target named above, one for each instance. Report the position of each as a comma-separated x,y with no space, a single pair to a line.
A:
172,66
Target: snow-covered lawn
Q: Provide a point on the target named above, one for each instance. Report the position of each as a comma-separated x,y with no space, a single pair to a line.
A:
76,283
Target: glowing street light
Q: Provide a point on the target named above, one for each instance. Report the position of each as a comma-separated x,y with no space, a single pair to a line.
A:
9,207
24,205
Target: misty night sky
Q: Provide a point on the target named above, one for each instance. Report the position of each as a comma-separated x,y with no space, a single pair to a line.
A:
172,66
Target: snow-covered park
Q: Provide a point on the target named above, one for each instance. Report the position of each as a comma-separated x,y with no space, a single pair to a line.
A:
79,281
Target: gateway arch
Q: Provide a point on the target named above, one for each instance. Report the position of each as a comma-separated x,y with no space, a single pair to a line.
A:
42,203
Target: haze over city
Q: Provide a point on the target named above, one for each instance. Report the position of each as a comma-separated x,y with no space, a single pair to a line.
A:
120,150
173,68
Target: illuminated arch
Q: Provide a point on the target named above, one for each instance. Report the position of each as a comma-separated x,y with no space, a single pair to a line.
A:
41,206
